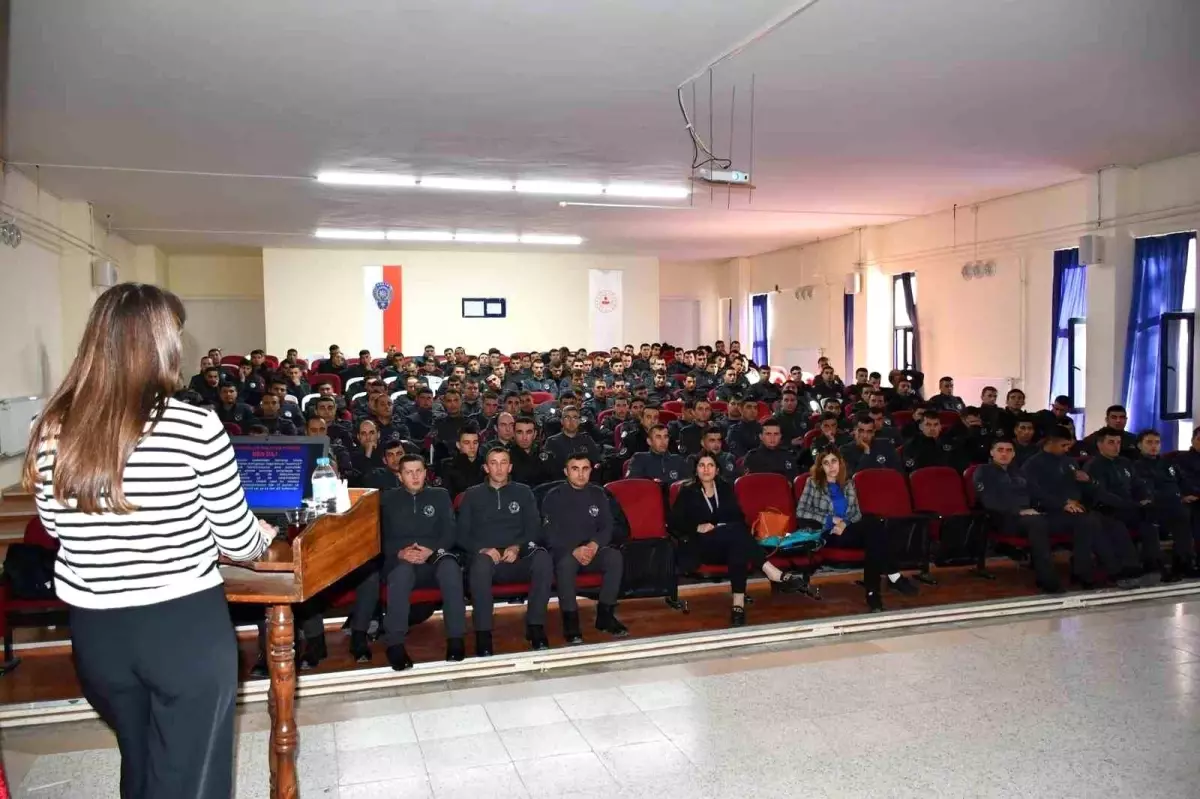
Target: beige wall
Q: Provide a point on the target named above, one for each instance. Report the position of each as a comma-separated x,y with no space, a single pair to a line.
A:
547,294
212,276
695,280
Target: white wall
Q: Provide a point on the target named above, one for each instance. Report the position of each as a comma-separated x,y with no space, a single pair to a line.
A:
695,280
223,295
546,293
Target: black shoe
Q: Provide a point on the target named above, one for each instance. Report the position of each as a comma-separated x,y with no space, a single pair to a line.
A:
1188,569
314,652
1050,586
1150,579
874,602
456,650
904,586
259,670
791,583
397,657
535,634
1171,576
360,649
571,632
607,621
737,616
483,644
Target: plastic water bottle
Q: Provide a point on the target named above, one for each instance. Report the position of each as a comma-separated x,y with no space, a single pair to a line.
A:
324,486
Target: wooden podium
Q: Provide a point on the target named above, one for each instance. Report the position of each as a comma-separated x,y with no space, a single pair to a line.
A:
326,551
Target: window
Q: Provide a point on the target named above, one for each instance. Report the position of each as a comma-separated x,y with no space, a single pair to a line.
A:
904,325
484,308
1179,332
1068,353
759,328
1077,367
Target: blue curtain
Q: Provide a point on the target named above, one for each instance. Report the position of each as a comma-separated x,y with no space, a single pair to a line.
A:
758,325
848,332
1159,270
910,304
1070,302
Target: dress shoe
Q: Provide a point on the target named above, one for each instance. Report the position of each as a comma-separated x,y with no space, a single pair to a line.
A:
360,649
535,634
607,621
483,644
737,616
571,632
456,650
904,586
397,657
874,602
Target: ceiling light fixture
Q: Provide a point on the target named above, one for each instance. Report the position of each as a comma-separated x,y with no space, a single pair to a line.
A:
465,237
647,191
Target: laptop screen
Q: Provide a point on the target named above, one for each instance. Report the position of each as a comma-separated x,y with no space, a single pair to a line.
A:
276,471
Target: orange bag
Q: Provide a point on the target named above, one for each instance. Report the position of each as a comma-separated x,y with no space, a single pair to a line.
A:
771,523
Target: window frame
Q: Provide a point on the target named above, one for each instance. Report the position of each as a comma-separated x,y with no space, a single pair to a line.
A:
1074,362
1167,362
902,335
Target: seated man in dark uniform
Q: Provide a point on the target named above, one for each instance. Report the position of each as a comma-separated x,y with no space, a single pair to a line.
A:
743,435
932,448
1122,497
530,464
868,450
769,457
1001,489
1055,488
1115,418
230,411
578,530
1024,443
269,416
417,536
465,469
711,443
659,464
570,441
1169,508
945,399
501,531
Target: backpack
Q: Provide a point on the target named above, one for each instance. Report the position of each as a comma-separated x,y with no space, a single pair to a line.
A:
29,571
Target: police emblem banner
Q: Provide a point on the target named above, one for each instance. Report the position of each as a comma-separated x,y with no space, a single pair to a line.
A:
382,309
606,308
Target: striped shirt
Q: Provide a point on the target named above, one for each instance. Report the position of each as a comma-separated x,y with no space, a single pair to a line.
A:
183,480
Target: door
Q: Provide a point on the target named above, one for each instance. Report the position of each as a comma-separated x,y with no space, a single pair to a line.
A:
679,321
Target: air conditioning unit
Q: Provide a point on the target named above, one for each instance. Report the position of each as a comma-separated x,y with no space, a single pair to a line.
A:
1091,250
105,274
853,283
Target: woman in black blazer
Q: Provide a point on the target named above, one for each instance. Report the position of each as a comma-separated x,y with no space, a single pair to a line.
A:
708,523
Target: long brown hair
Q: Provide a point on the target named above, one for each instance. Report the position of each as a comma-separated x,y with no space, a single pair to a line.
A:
817,473
126,368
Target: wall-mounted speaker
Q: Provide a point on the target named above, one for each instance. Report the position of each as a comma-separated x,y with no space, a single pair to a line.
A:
105,274
1091,250
853,283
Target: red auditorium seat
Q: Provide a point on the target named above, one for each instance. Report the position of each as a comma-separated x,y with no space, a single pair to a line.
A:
719,407
798,485
231,360
271,361
810,437
642,502
13,610
233,429
884,493
763,491
712,395
604,415
665,416
541,396
1012,542
901,419
333,380
939,491
674,406
949,419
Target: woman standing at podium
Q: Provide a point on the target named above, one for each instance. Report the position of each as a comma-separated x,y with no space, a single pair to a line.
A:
142,492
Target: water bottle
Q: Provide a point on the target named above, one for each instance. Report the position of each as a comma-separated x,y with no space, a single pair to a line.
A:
324,486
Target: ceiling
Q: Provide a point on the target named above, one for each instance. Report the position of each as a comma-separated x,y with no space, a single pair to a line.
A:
865,111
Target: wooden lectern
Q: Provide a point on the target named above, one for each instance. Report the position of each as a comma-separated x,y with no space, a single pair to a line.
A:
326,551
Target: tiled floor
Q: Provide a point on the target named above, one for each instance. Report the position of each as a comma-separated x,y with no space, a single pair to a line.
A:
1102,704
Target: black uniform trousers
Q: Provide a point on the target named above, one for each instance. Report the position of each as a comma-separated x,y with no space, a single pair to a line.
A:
1035,530
310,616
164,677
870,535
445,574
732,546
609,563
536,568
1181,522
1096,537
1141,520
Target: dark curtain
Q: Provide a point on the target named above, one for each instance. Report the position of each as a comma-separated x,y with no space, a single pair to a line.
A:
1070,302
759,328
1159,270
848,332
910,305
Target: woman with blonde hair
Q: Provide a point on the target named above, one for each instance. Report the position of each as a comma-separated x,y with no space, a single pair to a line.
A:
830,503
142,491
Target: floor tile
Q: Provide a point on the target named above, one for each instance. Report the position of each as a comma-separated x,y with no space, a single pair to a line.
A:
453,722
566,774
456,754
609,732
365,733
410,788
530,743
659,695
596,703
645,762
487,782
380,763
532,712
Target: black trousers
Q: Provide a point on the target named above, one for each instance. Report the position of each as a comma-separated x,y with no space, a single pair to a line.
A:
1182,523
1096,538
608,562
731,546
1139,519
164,677
443,573
536,568
869,535
310,616
1036,530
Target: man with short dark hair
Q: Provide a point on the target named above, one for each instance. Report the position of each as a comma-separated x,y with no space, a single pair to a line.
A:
903,398
465,469
1056,417
1122,497
269,416
570,441
1170,507
1024,444
446,428
289,411
1115,419
420,419
209,387
1002,489
230,411
770,457
868,450
416,525
933,448
339,432
578,530
711,444
945,399
501,531
827,384
529,464
744,435
658,464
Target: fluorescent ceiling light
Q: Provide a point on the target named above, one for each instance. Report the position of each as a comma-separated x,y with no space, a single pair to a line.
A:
357,235
365,179
558,187
466,184
420,235
647,191
488,238
533,238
